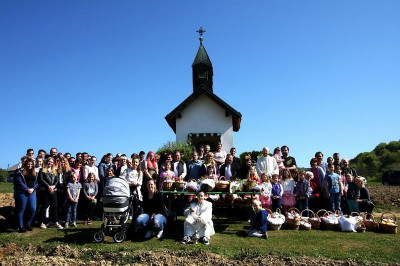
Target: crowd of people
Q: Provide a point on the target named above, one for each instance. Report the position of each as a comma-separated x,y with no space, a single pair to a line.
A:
53,187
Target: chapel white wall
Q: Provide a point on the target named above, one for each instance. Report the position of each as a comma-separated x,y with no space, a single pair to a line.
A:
205,116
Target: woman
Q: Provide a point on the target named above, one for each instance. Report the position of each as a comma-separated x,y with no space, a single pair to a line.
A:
122,166
25,196
219,156
38,164
77,169
209,160
153,216
364,202
64,175
317,183
48,182
244,170
150,167
198,223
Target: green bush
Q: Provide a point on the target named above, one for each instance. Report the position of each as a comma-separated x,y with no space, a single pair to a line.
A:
185,148
253,154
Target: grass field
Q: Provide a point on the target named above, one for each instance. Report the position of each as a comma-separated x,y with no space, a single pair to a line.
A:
6,187
230,241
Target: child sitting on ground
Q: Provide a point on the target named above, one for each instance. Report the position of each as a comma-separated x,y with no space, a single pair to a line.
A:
259,225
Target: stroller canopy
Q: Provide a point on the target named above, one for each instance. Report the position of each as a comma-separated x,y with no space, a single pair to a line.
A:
116,186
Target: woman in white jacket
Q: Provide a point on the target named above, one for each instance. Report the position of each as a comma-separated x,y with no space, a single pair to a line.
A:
198,223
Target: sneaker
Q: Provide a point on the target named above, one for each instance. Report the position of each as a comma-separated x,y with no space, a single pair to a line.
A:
21,230
43,226
206,241
89,222
148,234
186,240
59,226
66,225
74,224
160,234
265,236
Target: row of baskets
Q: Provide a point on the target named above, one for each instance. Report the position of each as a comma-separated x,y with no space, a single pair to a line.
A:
209,185
327,220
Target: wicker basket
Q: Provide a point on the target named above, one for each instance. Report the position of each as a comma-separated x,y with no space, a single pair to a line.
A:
390,228
179,185
361,228
315,220
370,224
270,225
305,222
293,222
328,226
206,188
168,186
248,185
221,186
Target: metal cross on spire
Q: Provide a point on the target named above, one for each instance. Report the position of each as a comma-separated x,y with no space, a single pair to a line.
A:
201,31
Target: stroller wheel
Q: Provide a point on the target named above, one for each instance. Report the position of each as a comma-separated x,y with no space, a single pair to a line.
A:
99,236
119,237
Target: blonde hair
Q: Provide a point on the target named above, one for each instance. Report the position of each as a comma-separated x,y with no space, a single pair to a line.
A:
361,181
46,168
255,172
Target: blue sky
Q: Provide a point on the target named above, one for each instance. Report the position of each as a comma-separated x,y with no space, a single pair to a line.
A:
100,76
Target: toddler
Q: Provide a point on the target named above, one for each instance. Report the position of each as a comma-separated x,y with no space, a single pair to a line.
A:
259,225
266,188
276,193
302,191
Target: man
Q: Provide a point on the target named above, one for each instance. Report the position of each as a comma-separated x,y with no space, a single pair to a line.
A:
53,153
141,157
201,153
336,160
229,169
321,163
207,149
178,166
194,167
266,165
168,158
236,160
289,161
41,154
85,158
198,223
348,170
30,153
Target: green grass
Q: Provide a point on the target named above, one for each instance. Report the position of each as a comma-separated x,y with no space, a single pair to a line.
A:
230,241
374,183
6,187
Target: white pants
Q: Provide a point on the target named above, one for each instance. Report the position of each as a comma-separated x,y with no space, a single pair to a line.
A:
198,229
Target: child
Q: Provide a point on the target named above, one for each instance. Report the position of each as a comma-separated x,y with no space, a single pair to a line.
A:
333,188
167,174
266,188
90,192
278,158
210,173
252,175
353,194
134,176
302,191
288,199
276,193
259,225
73,191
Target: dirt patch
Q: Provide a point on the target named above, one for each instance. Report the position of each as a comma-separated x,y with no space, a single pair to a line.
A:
13,255
385,195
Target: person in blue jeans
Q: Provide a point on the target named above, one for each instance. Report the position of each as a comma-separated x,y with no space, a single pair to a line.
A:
25,196
334,189
73,191
153,214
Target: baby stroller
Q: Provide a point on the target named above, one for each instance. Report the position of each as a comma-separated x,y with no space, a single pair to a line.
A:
117,210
